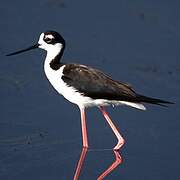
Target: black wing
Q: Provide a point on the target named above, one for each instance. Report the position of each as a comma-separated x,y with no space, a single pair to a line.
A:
97,85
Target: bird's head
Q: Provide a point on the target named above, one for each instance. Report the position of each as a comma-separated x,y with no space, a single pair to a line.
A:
51,41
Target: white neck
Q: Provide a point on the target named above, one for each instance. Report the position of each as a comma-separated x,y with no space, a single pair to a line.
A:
52,52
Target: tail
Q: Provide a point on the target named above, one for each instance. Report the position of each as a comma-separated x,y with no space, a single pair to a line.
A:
155,101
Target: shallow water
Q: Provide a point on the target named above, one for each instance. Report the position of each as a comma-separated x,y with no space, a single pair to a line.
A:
136,42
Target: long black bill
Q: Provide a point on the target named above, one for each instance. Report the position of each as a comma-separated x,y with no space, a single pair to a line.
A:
27,49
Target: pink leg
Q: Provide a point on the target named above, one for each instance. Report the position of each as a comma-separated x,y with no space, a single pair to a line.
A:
83,127
114,129
80,164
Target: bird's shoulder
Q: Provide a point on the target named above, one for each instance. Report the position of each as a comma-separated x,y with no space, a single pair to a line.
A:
85,73
87,77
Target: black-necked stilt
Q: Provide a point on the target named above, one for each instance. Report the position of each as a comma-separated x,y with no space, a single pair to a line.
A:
86,86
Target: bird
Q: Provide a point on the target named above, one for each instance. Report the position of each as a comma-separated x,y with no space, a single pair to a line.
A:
86,86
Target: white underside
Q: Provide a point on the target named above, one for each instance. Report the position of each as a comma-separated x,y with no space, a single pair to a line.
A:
77,98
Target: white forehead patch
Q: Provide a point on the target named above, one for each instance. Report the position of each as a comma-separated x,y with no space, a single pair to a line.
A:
41,41
41,38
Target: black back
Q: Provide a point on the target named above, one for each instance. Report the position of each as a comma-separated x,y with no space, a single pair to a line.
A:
95,84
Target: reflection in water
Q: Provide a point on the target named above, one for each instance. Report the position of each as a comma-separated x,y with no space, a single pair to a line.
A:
114,164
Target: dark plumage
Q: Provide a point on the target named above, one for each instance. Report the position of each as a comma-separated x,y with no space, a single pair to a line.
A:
97,85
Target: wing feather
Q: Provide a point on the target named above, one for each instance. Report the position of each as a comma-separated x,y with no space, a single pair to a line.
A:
95,84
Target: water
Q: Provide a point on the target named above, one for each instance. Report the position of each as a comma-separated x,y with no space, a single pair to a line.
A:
136,42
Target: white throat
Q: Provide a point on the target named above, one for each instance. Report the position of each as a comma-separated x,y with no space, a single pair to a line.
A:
53,51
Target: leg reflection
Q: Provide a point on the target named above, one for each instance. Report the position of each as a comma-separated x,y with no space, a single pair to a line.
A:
80,163
117,162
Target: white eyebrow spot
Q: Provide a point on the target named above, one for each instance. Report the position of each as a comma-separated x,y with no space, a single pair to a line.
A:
50,36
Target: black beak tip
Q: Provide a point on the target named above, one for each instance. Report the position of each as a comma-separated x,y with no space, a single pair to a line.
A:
24,50
9,54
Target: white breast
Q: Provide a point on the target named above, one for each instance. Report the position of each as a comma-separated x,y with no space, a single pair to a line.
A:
70,93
